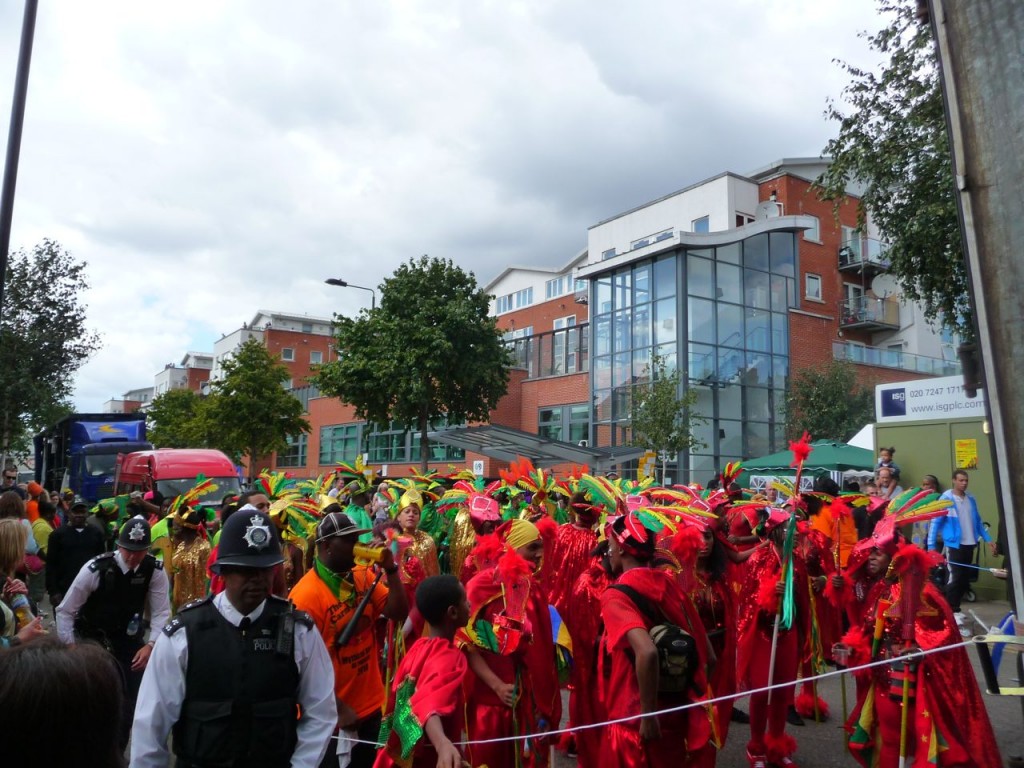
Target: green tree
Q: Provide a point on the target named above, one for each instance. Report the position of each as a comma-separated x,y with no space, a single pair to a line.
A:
250,412
662,419
179,418
430,351
828,403
43,340
892,139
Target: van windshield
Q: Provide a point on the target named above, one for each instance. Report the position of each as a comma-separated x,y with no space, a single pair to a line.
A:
224,486
99,464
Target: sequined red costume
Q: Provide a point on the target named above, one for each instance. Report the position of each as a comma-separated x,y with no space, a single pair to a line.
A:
570,557
716,606
947,725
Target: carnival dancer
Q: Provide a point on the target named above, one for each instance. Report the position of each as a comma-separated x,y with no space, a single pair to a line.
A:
188,561
478,515
425,712
421,544
359,480
295,518
513,688
925,711
632,684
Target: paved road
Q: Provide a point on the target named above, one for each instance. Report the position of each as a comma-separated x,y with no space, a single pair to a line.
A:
821,744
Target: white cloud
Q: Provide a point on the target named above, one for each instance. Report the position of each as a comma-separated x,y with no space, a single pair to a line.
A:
219,157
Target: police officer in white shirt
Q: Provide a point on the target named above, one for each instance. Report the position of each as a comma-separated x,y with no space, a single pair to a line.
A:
231,674
109,602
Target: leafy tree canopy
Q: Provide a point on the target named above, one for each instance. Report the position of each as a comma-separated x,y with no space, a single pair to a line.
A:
892,139
43,340
829,403
250,413
179,418
430,351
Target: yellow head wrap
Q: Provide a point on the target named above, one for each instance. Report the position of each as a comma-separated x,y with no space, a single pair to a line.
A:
521,533
410,497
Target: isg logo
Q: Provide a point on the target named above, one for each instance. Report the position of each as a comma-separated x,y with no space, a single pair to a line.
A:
894,402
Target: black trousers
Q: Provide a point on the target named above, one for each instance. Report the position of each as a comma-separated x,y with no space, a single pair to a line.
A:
959,577
363,755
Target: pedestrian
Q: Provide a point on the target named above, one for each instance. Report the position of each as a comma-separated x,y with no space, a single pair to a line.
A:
17,624
41,530
337,592
410,510
240,678
960,530
107,603
70,547
429,681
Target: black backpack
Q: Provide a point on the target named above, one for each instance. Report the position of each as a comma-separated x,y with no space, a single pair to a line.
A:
677,650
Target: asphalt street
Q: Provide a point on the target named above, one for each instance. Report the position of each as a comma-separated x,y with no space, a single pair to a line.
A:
820,745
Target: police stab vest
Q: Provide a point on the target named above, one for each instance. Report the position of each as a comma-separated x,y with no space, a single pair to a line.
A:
117,599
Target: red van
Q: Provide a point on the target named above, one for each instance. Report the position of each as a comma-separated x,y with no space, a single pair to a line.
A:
172,471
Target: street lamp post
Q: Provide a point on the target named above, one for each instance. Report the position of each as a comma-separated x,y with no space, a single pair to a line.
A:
343,284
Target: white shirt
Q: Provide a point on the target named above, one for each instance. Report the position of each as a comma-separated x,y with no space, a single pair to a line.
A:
87,581
163,691
964,513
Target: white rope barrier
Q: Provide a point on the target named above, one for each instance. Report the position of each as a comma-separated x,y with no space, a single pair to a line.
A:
907,657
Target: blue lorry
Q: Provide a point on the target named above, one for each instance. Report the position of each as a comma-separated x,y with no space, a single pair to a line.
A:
80,451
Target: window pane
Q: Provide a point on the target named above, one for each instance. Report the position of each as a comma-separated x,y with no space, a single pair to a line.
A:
757,330
780,333
550,415
603,336
622,295
730,438
702,467
699,277
602,372
730,325
755,289
701,317
621,330
756,406
622,370
759,370
665,321
665,277
782,249
642,284
780,298
730,363
603,405
621,399
728,254
604,296
780,372
702,362
755,252
729,286
641,364
642,326
758,440
667,353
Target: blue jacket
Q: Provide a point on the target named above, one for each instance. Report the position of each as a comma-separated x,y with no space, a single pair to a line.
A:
949,526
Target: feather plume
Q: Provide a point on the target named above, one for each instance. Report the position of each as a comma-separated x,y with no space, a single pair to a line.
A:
512,566
190,497
731,472
801,449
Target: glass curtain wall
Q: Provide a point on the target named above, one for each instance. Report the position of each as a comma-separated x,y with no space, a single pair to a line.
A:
727,309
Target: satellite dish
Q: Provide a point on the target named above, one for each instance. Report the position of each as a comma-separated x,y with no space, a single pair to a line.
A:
884,285
769,209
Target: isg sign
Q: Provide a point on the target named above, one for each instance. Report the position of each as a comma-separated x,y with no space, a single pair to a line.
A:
941,398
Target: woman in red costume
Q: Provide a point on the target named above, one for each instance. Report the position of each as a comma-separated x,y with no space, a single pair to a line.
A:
762,591
513,687
946,721
628,664
574,543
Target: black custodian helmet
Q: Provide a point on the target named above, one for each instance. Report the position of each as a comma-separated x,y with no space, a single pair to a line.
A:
135,535
248,539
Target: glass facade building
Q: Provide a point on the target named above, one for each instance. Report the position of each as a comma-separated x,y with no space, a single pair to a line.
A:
718,313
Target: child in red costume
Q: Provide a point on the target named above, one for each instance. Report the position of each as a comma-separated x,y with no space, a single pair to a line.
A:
630,686
513,688
430,681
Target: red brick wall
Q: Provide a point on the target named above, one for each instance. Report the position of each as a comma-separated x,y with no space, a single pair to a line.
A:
195,377
541,316
558,390
276,339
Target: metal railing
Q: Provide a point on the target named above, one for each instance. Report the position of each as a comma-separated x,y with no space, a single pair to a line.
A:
893,358
553,353
869,310
863,251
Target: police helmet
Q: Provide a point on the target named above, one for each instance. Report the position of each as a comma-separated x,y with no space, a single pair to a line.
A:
135,535
248,539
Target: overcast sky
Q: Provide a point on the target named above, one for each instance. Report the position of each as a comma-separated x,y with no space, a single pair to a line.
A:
208,159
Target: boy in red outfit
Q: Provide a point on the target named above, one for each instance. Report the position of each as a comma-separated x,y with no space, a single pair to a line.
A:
426,696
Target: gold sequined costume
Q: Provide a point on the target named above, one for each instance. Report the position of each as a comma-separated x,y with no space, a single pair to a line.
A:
423,547
188,565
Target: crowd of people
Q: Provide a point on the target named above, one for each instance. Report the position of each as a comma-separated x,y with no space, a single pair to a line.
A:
436,621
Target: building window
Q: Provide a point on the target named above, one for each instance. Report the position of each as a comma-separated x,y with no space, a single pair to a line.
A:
295,454
812,287
339,443
701,225
288,354
639,243
813,233
517,333
663,235
568,423
315,357
556,287
287,384
607,254
307,327
742,219
517,300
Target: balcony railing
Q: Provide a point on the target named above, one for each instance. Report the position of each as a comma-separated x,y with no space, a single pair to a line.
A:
863,253
894,358
869,313
554,353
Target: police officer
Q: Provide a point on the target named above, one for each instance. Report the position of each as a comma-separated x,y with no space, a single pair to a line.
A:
109,601
242,678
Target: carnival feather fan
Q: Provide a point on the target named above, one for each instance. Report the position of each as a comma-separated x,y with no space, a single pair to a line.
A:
917,505
275,485
190,497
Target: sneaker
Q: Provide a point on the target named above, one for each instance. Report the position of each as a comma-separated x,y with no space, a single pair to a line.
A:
793,717
960,617
965,631
757,761
785,762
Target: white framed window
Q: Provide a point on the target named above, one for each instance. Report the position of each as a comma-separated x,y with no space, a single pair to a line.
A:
562,323
607,254
701,225
315,357
742,219
557,286
812,287
287,384
814,233
288,354
510,301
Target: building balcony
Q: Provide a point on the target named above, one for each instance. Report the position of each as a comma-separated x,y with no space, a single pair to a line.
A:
894,358
554,353
868,313
863,255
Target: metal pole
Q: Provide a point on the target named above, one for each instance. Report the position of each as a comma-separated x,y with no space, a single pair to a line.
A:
28,28
981,61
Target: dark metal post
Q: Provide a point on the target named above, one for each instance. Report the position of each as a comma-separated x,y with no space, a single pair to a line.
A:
981,57
28,28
